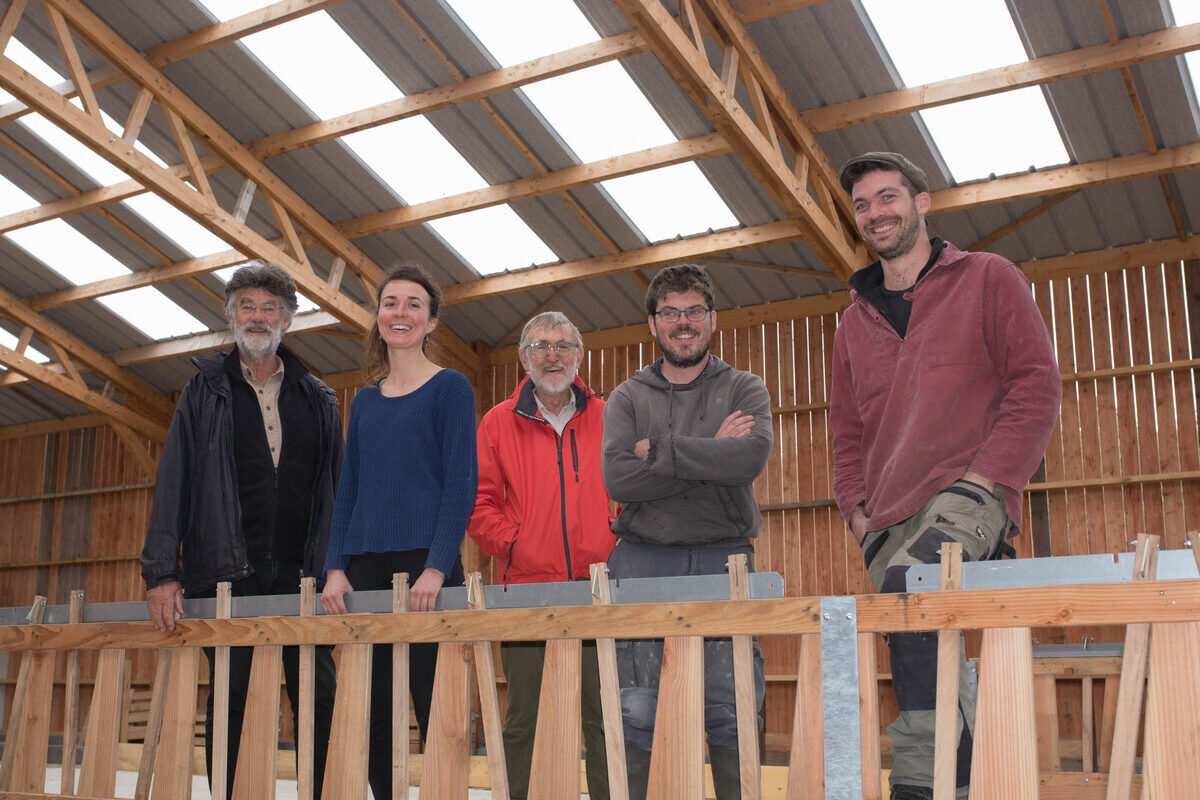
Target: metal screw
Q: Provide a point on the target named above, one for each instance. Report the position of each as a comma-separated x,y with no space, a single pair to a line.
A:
826,615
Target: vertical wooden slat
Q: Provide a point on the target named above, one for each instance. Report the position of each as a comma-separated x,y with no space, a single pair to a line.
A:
1046,705
220,695
743,682
158,704
71,710
254,778
401,704
1133,502
305,721
1171,763
173,764
446,747
1088,726
31,685
806,764
98,771
489,703
1173,532
554,770
346,766
610,693
868,705
1004,761
1056,501
677,757
1143,389
1072,452
945,747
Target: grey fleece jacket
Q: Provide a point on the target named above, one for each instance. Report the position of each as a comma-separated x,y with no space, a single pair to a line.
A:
693,490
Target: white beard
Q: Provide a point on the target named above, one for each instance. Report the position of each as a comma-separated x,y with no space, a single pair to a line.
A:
257,346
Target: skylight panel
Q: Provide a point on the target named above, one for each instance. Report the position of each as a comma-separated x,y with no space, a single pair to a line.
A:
511,39
1187,12
666,203
999,134
493,239
410,156
192,237
11,342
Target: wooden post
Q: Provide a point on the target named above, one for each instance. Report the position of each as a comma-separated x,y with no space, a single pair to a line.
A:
806,764
1004,760
346,767
489,703
220,694
610,694
401,705
554,770
743,681
98,772
254,778
868,705
158,701
677,757
173,765
31,685
447,759
1133,682
305,714
71,709
1088,722
945,740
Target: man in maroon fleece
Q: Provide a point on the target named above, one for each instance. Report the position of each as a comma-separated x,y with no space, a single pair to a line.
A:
945,391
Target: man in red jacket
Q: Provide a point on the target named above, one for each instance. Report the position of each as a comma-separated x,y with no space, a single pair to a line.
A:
945,391
543,514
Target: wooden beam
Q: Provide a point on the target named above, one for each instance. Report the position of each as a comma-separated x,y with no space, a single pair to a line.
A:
1021,221
691,68
213,340
72,423
92,133
83,395
1060,66
8,23
744,264
136,448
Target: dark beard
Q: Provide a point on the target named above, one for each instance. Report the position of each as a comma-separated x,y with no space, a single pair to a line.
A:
683,362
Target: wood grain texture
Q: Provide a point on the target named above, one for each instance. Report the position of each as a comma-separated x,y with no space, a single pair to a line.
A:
98,770
610,694
743,688
945,749
153,735
346,765
447,746
1171,762
401,705
307,696
868,707
220,694
254,778
71,699
677,757
1045,695
1004,760
554,770
173,760
806,773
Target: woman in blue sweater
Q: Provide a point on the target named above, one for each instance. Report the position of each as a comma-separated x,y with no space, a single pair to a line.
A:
406,490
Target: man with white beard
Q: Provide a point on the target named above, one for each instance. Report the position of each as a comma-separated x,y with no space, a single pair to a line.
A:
542,512
245,489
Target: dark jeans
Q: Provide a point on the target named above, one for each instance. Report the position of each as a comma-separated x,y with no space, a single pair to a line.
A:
271,578
374,571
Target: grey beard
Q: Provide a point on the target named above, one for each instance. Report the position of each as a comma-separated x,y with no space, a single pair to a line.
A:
254,353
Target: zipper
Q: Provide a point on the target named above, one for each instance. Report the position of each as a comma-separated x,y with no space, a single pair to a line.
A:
574,456
562,502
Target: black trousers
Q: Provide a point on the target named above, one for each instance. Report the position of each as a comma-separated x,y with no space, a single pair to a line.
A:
374,571
272,578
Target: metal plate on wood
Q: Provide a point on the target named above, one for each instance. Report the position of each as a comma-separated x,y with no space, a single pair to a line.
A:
839,698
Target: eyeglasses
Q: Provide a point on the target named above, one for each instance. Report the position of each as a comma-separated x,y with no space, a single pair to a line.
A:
542,349
269,309
694,314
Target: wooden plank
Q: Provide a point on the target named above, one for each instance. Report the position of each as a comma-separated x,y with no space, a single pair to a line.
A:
1171,761
1173,532
255,774
1087,724
868,706
1089,424
1133,504
489,703
1072,451
29,745
98,771
677,756
1138,314
173,763
1046,705
1116,537
220,696
305,732
401,704
945,740
447,743
158,704
610,693
16,714
1004,760
71,709
743,688
554,770
1181,338
806,764
1108,723
348,735
1133,682
1056,501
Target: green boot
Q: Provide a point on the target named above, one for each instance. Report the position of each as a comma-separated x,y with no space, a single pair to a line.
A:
726,772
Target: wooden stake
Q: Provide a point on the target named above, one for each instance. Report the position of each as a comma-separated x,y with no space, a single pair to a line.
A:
677,757
173,765
945,739
868,704
1004,761
447,755
349,732
743,683
554,770
158,701
304,715
254,778
220,692
71,709
610,694
1133,682
806,764
98,772
401,704
489,703
9,779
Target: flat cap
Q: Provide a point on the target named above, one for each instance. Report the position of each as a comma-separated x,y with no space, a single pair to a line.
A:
892,160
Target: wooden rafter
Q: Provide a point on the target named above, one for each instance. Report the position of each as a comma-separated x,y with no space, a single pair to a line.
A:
213,340
1060,66
689,65
1035,212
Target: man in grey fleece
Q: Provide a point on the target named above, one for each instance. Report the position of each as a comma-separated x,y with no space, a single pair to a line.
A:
684,439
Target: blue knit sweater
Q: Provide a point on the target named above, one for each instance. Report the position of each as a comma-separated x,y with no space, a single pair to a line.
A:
409,476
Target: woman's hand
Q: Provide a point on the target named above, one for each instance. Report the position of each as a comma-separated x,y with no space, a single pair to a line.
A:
336,585
423,594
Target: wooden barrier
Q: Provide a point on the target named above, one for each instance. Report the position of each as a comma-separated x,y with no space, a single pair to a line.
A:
1006,764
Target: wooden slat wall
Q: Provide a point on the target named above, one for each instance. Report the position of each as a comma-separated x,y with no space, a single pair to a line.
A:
1111,426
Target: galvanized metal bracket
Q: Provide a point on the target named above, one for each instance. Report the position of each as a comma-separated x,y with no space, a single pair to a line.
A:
839,697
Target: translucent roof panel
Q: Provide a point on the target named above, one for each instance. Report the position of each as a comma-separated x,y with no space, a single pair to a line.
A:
303,304
600,113
410,156
10,341
996,135
1186,12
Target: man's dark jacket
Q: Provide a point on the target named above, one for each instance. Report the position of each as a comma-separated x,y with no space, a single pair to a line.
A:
196,495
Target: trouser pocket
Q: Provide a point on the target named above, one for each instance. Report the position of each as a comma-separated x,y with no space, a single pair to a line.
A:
963,512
